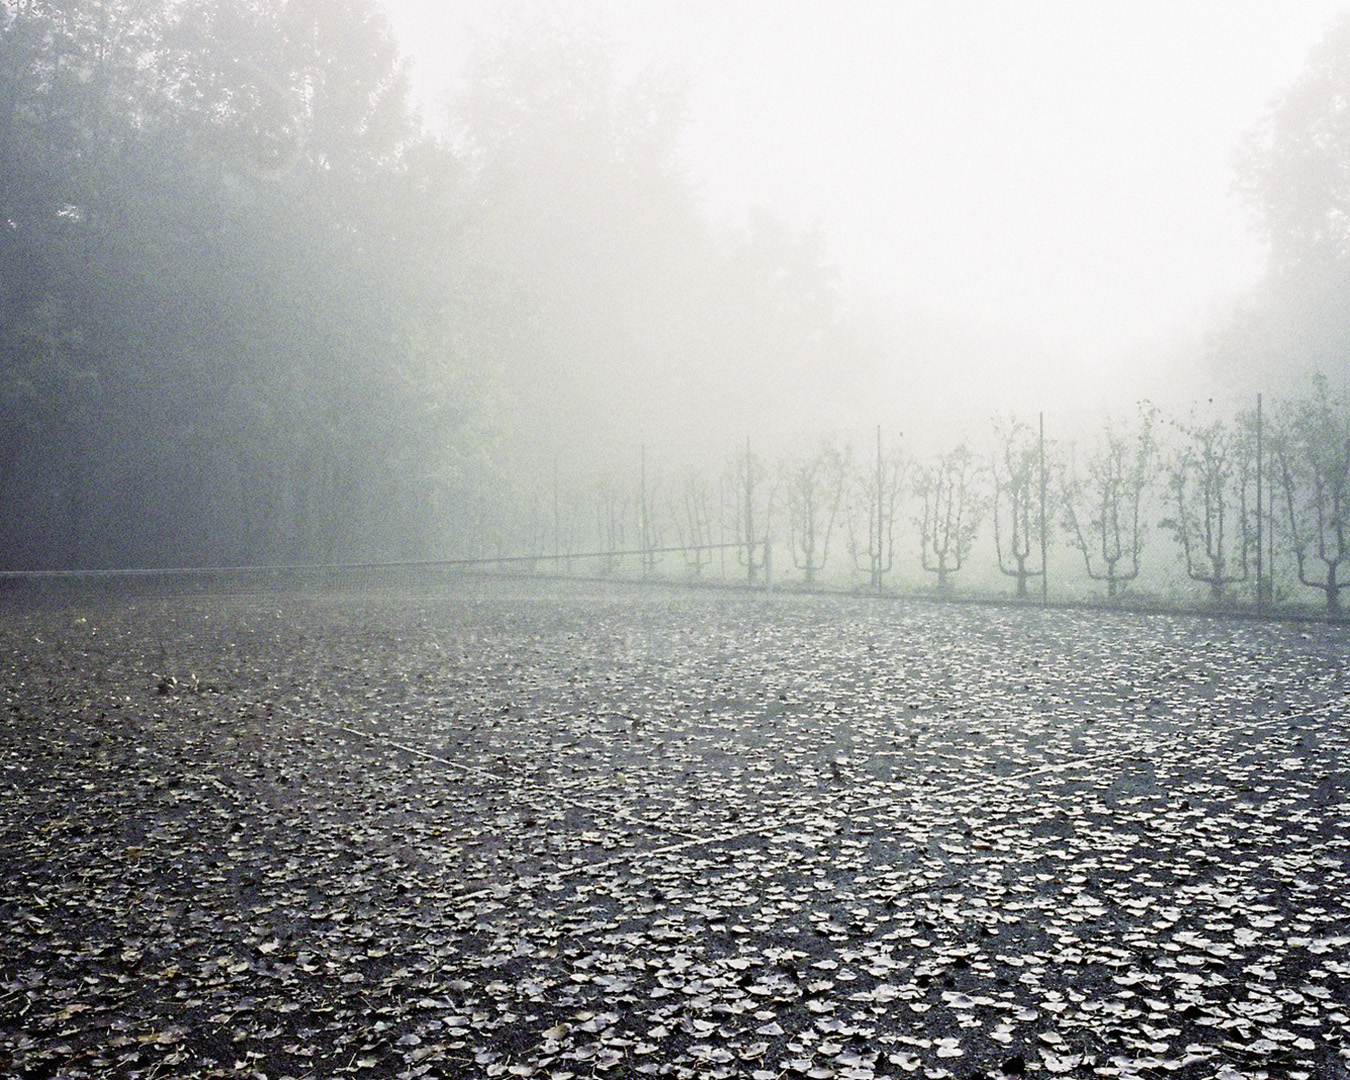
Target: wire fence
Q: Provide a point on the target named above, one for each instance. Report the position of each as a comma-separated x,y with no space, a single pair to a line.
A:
731,566
728,564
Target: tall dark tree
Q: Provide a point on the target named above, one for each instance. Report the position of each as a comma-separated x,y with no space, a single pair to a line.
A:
1294,171
584,217
222,232
1295,166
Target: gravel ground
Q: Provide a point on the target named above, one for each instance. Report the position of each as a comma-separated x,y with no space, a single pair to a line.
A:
534,830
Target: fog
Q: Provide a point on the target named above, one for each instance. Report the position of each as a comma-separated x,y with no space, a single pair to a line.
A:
1051,179
394,279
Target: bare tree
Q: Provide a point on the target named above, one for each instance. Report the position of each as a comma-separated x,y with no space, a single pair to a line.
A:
612,504
539,531
1312,452
815,490
1211,481
574,525
1019,502
556,521
875,498
693,518
951,513
1103,509
752,513
649,532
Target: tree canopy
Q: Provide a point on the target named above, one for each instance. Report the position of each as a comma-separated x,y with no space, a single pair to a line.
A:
221,339
254,312
1294,172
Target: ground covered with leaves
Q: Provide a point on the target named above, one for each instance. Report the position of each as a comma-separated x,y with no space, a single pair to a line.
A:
515,830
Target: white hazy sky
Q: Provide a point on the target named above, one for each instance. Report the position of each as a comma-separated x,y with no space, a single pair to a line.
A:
1060,170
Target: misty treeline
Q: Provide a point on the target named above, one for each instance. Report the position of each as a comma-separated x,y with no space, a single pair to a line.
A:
1249,508
232,315
254,308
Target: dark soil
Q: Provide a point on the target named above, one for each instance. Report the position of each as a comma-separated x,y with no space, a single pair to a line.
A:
516,830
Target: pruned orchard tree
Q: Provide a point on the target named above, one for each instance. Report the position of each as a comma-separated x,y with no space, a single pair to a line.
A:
575,524
693,516
873,502
815,490
1020,497
752,513
1312,452
559,523
1104,502
648,524
952,507
612,505
1211,477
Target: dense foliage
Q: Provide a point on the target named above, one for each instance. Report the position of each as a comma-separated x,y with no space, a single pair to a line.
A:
219,341
254,312
1292,170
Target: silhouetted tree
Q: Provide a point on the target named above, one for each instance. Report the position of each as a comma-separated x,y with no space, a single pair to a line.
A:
1210,478
951,513
586,220
1292,166
815,489
1019,501
1312,450
1292,170
873,504
224,216
1103,506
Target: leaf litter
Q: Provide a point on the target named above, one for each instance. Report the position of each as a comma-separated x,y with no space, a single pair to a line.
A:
513,831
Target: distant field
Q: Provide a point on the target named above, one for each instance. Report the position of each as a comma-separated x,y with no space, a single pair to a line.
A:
547,830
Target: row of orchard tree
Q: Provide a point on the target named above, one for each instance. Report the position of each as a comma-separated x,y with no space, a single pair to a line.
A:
1249,508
